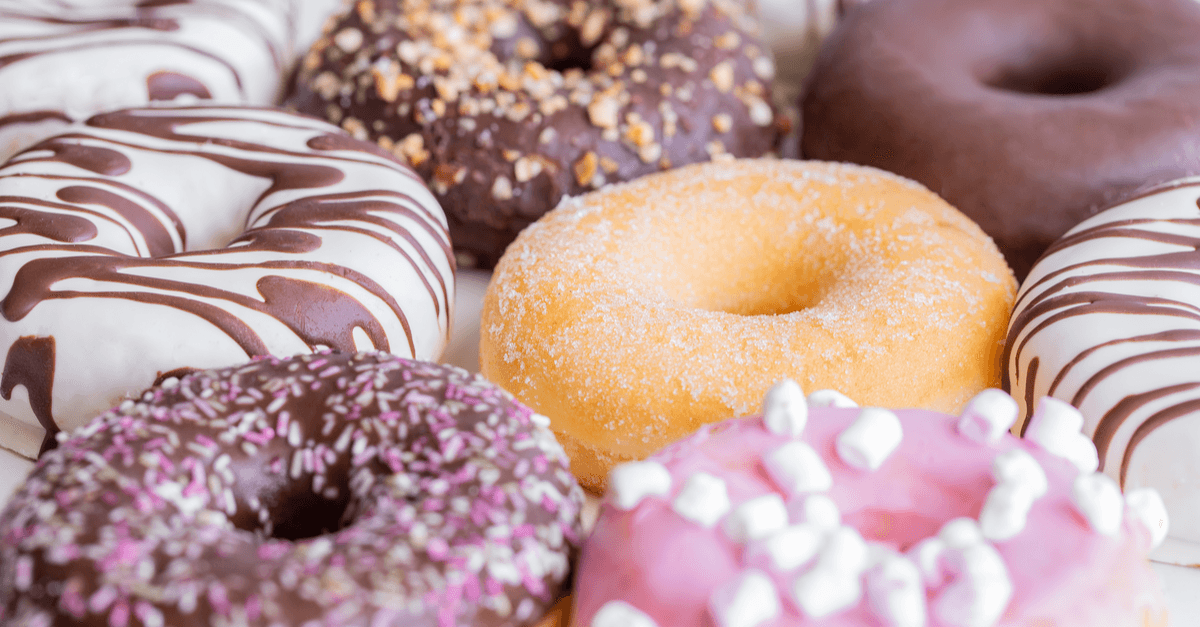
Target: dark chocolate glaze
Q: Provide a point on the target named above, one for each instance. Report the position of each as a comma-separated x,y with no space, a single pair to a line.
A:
1027,115
283,241
1066,292
171,85
500,157
339,489
30,364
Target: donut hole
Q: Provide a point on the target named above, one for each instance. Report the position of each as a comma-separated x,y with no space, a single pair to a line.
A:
293,510
1066,76
307,515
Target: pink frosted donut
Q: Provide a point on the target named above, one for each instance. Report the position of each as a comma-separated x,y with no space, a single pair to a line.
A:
869,517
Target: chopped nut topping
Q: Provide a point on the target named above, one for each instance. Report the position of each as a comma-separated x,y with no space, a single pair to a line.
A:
760,113
355,127
349,40
727,41
412,149
526,168
547,135
692,7
527,48
650,153
722,122
722,76
639,132
764,68
603,112
502,188
593,27
585,168
326,84
609,164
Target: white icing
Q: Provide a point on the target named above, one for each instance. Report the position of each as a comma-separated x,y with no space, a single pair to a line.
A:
797,469
988,416
631,482
1055,426
756,518
870,439
785,411
1098,499
830,398
1146,506
748,601
703,500
621,614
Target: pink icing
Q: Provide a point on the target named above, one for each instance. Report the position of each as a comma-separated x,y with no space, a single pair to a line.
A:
1062,571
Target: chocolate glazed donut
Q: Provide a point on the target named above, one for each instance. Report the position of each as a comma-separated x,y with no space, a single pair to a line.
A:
505,107
1027,115
319,490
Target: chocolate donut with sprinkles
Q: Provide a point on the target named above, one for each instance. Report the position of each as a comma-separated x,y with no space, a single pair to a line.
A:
505,107
327,489
166,238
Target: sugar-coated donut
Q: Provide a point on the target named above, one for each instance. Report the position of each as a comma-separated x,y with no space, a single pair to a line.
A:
506,106
65,60
153,240
1109,321
857,517
633,315
1027,115
327,489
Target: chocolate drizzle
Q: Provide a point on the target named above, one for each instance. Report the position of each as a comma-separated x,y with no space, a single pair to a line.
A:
171,85
1139,273
298,281
30,363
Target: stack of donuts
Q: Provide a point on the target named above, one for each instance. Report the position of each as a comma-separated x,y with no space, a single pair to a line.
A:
231,234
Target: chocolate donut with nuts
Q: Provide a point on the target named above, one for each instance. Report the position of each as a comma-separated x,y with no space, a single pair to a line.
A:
505,107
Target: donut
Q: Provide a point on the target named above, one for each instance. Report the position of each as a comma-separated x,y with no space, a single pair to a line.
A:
329,489
1027,115
152,240
1109,321
633,315
63,61
868,516
506,107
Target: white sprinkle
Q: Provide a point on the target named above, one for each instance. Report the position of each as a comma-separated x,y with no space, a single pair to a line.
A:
1146,505
294,434
748,601
868,442
815,509
787,549
988,416
631,482
621,614
895,592
756,518
797,469
1098,498
830,398
343,440
703,500
1057,427
784,409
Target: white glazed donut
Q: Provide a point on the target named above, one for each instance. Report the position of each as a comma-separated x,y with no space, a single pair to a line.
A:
1109,321
64,60
113,274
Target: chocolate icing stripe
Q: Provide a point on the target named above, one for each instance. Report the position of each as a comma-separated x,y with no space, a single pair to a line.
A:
1148,427
1172,335
1112,421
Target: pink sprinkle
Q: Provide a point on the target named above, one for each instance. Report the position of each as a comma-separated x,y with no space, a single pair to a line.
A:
260,437
72,600
219,599
197,484
205,441
437,549
524,531
281,425
119,616
253,607
472,588
272,551
317,363
493,587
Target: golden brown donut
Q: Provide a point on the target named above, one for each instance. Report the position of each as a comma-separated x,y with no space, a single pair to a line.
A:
635,314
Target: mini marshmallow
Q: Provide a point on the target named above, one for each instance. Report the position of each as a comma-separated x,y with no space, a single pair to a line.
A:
621,614
830,398
785,411
789,548
1017,467
1005,511
703,500
757,518
927,555
631,482
988,416
820,592
868,442
844,551
962,532
748,601
1146,505
815,509
796,468
895,592
1098,498
979,591
1057,427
